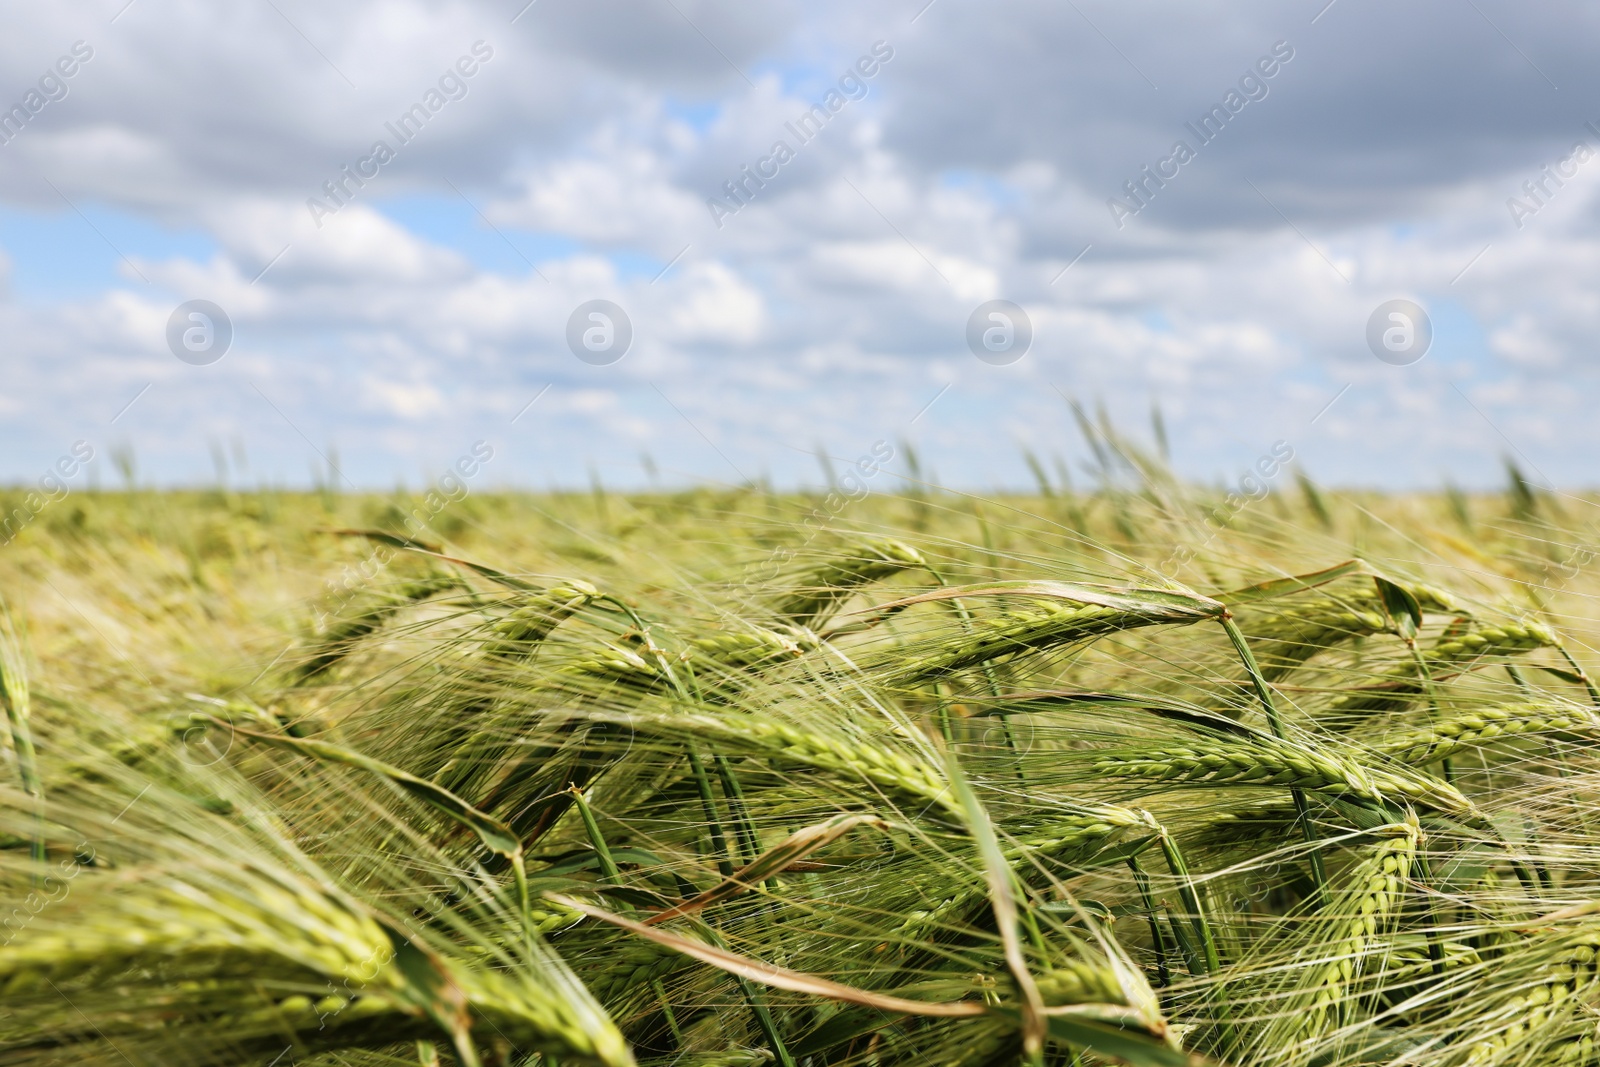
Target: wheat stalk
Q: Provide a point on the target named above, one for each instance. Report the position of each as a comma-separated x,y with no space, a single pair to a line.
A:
1265,761
1569,971
886,768
1364,918
1458,733
536,616
827,586
221,940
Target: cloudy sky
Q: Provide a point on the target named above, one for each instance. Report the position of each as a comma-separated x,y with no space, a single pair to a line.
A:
400,207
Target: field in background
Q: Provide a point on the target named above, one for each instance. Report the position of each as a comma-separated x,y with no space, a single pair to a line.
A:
211,586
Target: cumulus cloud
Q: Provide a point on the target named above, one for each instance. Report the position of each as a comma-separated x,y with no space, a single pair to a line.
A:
827,302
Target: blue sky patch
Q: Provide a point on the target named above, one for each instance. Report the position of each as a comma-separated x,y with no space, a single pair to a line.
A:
58,255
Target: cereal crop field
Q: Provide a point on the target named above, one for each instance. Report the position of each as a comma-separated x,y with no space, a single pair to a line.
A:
1153,775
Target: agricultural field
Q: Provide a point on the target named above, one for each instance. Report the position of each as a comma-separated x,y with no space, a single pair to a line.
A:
1153,774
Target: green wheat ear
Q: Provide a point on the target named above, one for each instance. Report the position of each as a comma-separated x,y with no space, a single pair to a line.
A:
14,695
1267,761
900,775
369,614
1454,652
238,960
1293,635
1542,1008
536,616
817,594
1375,894
1458,733
1319,976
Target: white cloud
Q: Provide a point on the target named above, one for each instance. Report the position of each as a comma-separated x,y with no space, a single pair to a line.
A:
832,307
407,400
714,304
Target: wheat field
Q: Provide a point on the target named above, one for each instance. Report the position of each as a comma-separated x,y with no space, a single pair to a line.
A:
1154,774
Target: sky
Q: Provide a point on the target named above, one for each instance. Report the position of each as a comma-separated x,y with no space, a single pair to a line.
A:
284,242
